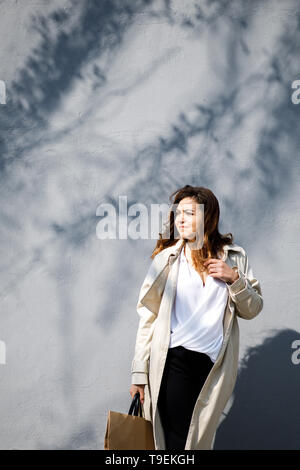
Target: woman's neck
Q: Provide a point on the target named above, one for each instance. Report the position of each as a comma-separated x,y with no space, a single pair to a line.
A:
187,249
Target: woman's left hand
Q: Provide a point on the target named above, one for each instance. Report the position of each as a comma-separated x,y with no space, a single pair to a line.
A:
221,270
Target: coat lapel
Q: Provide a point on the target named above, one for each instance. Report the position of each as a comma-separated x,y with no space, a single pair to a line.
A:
162,266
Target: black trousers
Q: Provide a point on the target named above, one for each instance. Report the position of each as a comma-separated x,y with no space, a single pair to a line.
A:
184,375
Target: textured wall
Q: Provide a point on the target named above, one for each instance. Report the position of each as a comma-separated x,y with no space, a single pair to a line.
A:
138,98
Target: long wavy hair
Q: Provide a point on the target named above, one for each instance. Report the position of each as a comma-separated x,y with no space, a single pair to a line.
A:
213,241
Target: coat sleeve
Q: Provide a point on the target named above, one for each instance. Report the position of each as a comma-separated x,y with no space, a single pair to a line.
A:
246,291
147,318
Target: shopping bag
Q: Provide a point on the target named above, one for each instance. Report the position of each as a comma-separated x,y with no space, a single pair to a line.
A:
129,431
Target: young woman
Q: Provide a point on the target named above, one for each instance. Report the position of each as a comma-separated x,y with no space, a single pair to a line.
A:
187,345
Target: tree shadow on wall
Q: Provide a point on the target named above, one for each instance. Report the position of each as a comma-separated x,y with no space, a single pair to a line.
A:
70,38
266,410
202,136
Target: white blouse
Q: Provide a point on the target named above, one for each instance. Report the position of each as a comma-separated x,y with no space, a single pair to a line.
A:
197,311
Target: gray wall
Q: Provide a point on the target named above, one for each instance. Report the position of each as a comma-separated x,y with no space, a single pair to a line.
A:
138,98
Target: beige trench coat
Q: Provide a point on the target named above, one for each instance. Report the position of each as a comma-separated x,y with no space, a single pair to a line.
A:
153,336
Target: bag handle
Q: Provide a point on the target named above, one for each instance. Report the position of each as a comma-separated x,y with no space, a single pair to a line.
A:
136,406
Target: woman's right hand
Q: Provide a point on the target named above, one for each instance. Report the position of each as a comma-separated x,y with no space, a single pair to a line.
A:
137,388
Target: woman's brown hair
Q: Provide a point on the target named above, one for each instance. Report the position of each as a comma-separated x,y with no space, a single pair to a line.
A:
213,240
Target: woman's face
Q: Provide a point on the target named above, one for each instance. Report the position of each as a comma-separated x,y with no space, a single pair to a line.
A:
188,218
